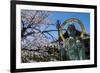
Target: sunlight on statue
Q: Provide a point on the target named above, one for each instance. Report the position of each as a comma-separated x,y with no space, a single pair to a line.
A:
73,47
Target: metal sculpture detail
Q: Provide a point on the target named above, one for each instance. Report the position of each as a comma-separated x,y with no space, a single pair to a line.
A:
70,20
73,48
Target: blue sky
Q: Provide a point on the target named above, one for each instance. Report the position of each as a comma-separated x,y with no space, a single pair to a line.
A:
62,16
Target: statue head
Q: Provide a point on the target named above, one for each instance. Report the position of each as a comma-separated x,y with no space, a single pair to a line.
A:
71,30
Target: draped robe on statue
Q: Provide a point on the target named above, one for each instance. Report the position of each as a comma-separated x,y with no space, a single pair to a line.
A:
73,48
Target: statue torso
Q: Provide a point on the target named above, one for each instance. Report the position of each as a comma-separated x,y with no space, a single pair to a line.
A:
74,49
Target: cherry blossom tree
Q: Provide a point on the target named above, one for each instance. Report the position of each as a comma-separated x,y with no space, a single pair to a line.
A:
33,25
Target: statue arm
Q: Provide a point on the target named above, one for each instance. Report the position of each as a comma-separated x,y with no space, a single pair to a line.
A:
81,49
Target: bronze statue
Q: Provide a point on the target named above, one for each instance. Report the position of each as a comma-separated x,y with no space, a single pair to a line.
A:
73,46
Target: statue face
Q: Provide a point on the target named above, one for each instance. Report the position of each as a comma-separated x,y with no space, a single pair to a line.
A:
71,30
